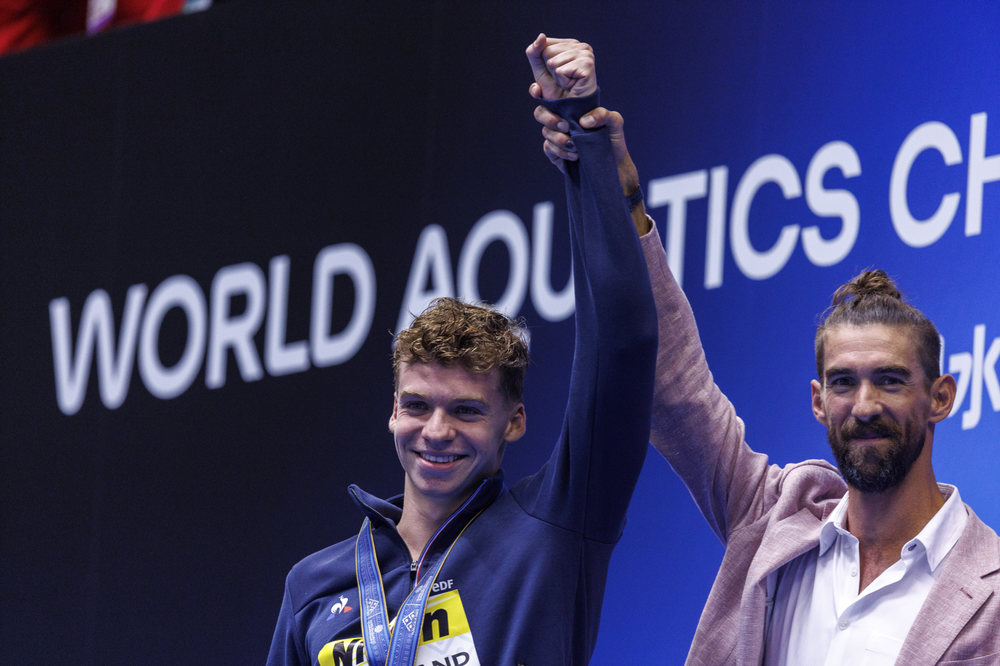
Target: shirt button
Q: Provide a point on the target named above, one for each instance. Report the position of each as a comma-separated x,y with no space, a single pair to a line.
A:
911,546
854,572
843,624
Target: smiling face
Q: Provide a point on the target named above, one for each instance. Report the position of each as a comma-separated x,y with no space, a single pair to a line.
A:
877,404
451,427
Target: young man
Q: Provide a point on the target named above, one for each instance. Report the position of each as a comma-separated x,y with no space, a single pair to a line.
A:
461,569
889,568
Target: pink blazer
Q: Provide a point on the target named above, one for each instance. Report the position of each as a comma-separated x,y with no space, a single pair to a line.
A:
767,515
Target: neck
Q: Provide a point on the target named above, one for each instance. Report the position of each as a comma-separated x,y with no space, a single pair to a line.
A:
419,522
884,522
892,517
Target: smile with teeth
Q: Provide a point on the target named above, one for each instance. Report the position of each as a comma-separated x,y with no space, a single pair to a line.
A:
430,457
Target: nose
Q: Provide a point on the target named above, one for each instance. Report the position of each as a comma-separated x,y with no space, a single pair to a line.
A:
866,402
438,427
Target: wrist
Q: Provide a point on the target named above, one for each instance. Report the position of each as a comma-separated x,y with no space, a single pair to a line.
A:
634,199
637,209
572,109
628,175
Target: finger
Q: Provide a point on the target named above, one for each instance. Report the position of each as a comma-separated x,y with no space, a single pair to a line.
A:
556,41
550,119
600,117
555,46
536,59
559,56
616,134
557,161
554,152
560,139
536,47
615,122
574,70
549,151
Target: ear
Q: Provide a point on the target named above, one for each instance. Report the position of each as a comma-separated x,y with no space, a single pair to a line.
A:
392,417
819,410
943,391
516,424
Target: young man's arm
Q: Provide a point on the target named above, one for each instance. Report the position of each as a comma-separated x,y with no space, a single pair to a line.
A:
606,428
694,426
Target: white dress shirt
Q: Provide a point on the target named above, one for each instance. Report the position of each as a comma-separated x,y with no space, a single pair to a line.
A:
818,616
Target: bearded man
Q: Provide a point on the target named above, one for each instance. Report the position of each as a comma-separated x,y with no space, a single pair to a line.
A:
890,567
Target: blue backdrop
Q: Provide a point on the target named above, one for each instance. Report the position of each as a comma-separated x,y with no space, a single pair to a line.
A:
236,205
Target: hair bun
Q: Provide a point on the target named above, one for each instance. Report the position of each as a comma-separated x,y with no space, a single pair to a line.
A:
867,284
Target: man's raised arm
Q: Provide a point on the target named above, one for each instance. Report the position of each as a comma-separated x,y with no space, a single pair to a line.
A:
605,434
694,426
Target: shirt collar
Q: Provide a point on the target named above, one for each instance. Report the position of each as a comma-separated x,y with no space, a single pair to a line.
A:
942,531
936,538
833,525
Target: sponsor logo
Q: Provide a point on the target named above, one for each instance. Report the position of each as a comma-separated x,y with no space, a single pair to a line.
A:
338,608
410,620
445,637
976,374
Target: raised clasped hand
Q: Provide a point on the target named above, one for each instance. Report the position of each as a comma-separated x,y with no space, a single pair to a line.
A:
562,68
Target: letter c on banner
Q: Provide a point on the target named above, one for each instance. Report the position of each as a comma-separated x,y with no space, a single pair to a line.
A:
762,265
914,232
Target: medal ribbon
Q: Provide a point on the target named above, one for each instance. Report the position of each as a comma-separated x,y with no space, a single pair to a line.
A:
396,646
374,618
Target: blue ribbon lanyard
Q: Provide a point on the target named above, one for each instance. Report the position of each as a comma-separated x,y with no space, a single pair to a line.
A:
396,646
374,618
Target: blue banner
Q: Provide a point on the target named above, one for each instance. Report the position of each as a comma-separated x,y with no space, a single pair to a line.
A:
211,224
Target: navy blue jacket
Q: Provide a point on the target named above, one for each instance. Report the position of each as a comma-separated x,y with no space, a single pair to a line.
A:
525,581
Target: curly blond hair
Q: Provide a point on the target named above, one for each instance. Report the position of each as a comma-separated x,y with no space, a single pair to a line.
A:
477,337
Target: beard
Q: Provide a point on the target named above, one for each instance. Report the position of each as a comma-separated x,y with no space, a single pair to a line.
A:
873,470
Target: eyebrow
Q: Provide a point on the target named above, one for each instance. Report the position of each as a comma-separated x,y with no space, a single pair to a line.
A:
899,370
476,398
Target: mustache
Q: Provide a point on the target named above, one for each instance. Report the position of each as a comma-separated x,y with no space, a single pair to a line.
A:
878,428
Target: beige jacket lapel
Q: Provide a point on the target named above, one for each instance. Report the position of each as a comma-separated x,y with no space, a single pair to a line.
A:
956,596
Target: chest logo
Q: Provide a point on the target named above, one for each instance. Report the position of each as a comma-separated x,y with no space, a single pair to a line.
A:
338,608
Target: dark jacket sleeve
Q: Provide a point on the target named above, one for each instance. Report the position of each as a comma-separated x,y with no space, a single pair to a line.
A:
588,481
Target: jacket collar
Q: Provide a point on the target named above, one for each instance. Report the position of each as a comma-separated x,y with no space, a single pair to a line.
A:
388,512
958,593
